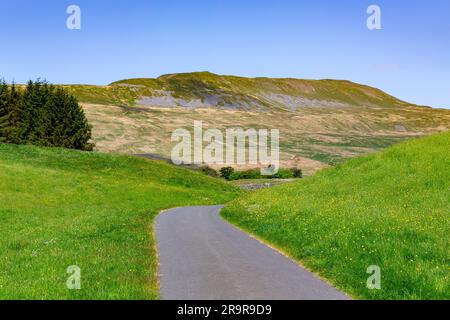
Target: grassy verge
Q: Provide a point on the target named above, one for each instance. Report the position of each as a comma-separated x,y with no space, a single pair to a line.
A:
60,208
390,209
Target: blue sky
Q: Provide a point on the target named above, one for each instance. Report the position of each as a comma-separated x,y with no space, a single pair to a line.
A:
408,58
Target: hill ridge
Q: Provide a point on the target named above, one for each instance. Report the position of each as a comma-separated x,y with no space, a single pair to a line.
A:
207,89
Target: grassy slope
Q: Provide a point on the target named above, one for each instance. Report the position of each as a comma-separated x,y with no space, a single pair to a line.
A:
235,89
115,95
60,208
327,121
390,209
260,91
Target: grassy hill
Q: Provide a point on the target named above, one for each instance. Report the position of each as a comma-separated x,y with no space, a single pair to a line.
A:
389,209
204,89
321,122
61,208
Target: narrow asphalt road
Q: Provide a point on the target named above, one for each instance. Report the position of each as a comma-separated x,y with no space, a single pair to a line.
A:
202,257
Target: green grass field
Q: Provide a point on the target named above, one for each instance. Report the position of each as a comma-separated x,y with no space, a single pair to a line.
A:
390,209
60,208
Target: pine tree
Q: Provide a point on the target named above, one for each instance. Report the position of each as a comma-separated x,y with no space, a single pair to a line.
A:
40,131
78,131
42,115
4,99
33,116
69,127
53,130
11,122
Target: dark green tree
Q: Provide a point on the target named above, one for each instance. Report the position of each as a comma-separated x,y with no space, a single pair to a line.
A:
11,121
4,99
42,114
68,126
34,100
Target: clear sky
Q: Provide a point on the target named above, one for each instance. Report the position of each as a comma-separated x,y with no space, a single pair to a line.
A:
408,58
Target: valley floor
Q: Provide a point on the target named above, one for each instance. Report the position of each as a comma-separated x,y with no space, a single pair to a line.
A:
310,138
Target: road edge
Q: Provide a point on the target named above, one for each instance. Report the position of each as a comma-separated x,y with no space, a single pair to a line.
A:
286,255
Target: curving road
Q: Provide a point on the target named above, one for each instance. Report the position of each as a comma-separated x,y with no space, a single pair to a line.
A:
202,257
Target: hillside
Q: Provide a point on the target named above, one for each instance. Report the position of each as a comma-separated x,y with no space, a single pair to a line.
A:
321,122
61,208
204,90
390,209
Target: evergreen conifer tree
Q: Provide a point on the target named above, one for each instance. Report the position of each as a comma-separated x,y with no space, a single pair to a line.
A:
69,127
12,120
4,100
42,114
35,97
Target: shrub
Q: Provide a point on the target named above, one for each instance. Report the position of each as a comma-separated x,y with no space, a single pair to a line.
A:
235,176
247,174
209,171
226,172
256,174
297,173
283,174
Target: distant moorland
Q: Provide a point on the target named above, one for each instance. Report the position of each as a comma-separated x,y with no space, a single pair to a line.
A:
321,122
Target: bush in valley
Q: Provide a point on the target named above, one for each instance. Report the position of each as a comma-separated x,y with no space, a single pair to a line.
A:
42,114
226,172
209,171
286,174
256,174
297,173
283,174
246,174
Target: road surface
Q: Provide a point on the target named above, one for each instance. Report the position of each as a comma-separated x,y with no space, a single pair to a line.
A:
202,257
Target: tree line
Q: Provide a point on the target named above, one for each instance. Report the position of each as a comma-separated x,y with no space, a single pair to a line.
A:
42,114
